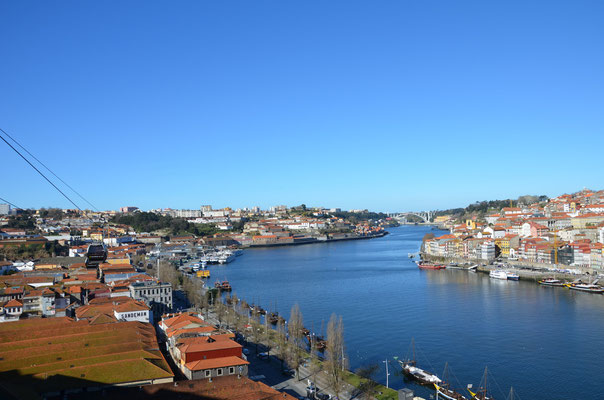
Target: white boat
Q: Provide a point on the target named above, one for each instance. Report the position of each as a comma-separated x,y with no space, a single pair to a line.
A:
512,276
498,274
587,287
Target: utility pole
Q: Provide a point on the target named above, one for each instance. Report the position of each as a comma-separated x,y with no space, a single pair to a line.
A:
387,374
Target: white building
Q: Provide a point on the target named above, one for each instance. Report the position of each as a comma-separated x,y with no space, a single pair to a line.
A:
155,294
4,209
487,250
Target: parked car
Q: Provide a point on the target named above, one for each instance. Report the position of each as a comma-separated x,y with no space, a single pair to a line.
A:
263,355
246,351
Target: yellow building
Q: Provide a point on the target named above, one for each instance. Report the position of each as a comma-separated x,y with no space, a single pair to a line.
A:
471,224
121,260
504,245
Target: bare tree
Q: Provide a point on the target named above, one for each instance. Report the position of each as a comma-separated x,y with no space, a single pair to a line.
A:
315,363
295,326
281,341
256,331
268,337
336,358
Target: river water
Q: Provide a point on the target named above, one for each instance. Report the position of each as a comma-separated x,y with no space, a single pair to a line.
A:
548,343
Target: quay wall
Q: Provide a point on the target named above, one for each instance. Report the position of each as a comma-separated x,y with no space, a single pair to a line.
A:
526,270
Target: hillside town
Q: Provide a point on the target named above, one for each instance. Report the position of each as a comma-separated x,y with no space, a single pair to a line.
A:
87,303
565,231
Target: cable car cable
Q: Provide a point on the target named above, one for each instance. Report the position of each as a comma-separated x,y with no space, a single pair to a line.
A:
37,170
8,202
49,170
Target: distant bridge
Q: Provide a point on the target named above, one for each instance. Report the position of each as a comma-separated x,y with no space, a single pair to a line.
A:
426,216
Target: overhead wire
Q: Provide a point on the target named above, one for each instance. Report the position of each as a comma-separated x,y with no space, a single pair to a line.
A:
8,202
39,172
49,170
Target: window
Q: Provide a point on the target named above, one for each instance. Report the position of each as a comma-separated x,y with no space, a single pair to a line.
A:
231,370
219,371
207,372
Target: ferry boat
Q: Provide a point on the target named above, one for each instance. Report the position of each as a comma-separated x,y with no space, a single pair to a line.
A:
551,282
498,274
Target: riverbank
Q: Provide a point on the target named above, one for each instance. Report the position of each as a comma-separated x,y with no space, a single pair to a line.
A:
526,270
314,240
269,368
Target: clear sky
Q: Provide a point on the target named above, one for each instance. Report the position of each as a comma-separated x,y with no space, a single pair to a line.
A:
387,105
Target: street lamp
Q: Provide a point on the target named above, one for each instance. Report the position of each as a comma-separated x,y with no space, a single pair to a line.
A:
387,373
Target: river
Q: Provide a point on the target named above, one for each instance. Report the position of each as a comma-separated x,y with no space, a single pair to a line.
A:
548,343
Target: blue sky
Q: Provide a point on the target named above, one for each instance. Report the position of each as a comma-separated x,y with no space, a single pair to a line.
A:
388,105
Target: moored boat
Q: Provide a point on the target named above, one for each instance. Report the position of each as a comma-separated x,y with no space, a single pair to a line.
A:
430,266
411,370
481,393
512,276
422,376
444,390
498,274
551,282
587,287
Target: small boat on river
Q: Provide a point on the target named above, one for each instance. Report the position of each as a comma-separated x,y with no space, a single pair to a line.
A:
424,265
498,274
512,276
444,390
412,371
587,287
481,393
551,282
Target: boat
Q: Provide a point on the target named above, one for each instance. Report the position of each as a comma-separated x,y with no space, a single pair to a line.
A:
586,287
273,318
320,345
481,393
473,267
551,282
430,266
224,286
444,390
498,274
512,276
454,266
411,370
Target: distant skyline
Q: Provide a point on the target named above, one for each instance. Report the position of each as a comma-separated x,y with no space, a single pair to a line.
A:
389,106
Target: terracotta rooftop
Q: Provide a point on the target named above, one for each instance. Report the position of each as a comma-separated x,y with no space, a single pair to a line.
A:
223,388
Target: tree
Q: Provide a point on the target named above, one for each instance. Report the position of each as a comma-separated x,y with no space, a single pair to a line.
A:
315,363
256,331
295,327
336,362
268,337
167,273
281,340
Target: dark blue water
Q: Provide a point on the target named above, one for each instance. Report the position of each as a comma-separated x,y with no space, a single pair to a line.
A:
548,343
